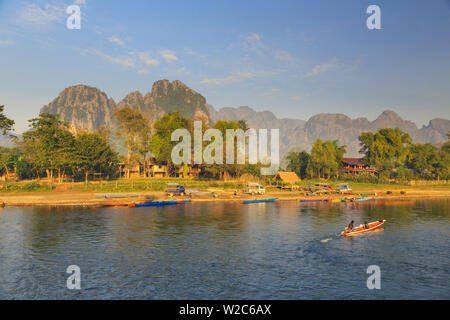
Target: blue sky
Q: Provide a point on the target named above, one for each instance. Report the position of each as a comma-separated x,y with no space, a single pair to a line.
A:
294,58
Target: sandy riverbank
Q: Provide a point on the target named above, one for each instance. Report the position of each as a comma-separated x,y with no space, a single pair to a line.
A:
68,198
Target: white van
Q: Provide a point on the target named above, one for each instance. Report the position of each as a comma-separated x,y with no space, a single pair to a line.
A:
255,188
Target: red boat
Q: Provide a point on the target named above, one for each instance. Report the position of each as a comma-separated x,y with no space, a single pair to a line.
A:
363,229
113,203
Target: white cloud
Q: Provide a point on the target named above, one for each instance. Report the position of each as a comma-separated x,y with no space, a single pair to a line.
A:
117,41
34,14
283,56
145,58
124,61
169,55
300,98
191,52
83,2
140,61
253,37
324,67
234,77
253,42
180,72
6,42
239,77
271,92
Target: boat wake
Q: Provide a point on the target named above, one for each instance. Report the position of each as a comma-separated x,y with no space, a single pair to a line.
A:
326,240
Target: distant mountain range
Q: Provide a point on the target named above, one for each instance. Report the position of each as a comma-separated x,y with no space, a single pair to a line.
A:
85,107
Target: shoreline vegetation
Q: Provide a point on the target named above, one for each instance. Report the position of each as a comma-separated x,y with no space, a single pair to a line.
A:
82,194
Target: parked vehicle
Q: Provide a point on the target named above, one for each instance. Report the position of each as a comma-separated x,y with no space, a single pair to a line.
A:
254,188
343,188
292,187
176,189
323,187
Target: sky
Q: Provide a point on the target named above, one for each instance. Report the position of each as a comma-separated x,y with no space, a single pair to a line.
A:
294,58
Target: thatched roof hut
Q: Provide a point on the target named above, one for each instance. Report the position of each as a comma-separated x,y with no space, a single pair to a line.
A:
285,176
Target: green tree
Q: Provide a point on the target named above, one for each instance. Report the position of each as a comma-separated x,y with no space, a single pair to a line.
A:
422,159
104,132
298,163
135,131
385,149
442,166
94,155
235,169
13,160
7,161
160,142
6,124
326,158
49,145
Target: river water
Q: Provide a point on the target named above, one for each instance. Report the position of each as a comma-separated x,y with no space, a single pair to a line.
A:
281,250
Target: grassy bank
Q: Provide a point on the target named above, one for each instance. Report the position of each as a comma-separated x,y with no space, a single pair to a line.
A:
129,185
155,185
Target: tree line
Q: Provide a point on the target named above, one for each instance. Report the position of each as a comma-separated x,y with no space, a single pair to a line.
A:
390,151
51,149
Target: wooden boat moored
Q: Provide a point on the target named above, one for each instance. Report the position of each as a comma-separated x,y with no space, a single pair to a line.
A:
183,201
314,200
116,195
363,199
152,203
157,203
113,203
259,200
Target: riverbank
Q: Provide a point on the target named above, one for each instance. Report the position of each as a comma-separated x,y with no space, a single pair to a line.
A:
78,198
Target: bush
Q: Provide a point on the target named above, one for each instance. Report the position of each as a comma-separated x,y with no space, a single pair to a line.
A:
33,186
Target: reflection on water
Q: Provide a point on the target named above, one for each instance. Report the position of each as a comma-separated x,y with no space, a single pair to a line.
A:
281,250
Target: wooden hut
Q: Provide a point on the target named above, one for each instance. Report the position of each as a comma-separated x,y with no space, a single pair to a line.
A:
355,166
286,176
189,171
157,170
148,169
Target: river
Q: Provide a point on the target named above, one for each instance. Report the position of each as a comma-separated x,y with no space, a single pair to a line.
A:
215,250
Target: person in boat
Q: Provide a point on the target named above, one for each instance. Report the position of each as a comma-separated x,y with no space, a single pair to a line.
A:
350,226
366,225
